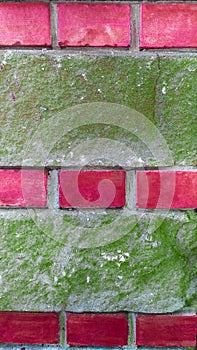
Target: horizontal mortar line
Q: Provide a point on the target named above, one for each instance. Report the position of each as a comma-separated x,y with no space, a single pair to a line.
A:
49,168
109,52
171,168
64,311
171,50
25,48
10,214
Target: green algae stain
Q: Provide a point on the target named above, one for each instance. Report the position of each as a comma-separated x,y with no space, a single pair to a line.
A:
43,86
176,107
35,88
108,260
141,270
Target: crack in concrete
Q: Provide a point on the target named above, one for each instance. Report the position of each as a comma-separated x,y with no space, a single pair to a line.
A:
158,59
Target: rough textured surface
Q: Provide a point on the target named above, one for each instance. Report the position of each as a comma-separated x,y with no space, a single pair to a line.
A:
168,25
97,329
166,330
93,25
35,88
25,24
23,188
92,189
166,189
99,261
29,328
105,259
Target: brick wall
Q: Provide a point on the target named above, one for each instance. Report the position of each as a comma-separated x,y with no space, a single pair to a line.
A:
103,330
79,24
98,174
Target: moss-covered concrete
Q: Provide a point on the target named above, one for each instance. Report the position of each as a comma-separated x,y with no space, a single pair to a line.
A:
137,269
176,107
103,260
37,87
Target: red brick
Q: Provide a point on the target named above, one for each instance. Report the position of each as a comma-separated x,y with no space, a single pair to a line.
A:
24,24
29,328
167,189
93,25
81,188
166,330
168,25
97,329
23,188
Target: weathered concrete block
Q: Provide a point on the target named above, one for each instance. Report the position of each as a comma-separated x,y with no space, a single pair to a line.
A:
35,88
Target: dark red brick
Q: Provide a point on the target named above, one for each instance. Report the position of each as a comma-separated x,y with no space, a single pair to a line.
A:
23,188
167,189
166,330
97,329
93,25
81,188
168,25
29,328
24,24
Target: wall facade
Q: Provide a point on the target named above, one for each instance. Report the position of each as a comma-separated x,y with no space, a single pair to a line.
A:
98,174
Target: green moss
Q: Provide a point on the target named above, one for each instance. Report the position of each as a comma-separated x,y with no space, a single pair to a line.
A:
176,108
35,88
141,269
98,260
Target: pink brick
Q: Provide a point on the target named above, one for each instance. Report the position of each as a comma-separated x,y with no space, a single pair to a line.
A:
91,188
23,188
167,189
93,25
29,328
166,330
24,24
168,25
97,329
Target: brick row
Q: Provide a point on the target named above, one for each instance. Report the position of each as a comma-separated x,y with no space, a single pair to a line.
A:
28,24
97,329
166,25
99,189
28,188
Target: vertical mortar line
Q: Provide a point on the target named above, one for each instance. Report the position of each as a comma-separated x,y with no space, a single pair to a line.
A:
131,189
131,27
53,202
135,26
134,329
54,25
65,330
62,319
